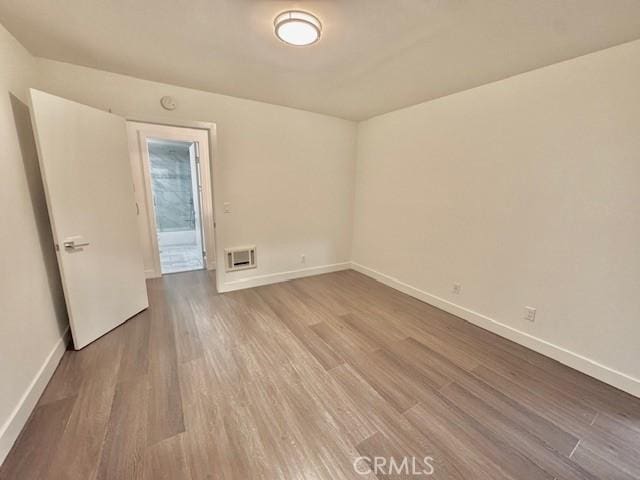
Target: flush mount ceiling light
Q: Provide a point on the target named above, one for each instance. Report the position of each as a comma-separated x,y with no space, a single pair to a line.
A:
297,28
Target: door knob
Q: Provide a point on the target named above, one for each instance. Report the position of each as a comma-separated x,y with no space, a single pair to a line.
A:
73,243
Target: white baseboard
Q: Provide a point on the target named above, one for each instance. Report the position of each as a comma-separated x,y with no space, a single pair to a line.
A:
281,277
574,360
13,426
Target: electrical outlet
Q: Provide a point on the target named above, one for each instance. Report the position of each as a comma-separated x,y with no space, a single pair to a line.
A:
457,288
530,314
227,207
303,258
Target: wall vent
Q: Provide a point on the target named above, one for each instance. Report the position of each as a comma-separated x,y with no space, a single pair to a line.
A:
240,258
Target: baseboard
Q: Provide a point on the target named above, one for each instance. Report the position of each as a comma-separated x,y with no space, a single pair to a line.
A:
13,426
281,277
574,360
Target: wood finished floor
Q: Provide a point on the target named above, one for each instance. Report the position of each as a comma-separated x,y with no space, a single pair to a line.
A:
296,380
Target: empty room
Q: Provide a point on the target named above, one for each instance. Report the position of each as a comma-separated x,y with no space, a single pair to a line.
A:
320,239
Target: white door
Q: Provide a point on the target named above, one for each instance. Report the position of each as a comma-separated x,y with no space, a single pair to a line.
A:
87,179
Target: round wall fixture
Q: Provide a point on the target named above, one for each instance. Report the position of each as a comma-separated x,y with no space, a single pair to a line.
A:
297,28
168,103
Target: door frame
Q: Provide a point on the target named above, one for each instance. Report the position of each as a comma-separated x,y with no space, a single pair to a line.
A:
140,161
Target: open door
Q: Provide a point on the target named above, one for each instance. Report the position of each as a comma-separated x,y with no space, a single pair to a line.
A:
89,189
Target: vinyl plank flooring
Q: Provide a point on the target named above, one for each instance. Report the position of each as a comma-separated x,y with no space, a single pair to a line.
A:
188,344
502,459
397,381
286,314
344,339
166,460
38,442
134,361
559,413
80,445
439,371
76,368
375,329
395,437
326,395
206,406
616,445
300,379
499,426
598,466
300,307
625,431
164,415
400,446
126,437
437,342
322,290
470,453
434,363
309,429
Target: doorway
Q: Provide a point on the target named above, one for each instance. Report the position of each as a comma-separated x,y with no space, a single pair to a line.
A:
175,187
172,180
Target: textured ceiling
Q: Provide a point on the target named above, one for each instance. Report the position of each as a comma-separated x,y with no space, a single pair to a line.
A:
374,55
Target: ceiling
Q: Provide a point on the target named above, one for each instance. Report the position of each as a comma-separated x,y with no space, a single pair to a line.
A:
374,55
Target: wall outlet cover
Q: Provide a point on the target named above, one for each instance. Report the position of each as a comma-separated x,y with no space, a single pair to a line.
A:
530,314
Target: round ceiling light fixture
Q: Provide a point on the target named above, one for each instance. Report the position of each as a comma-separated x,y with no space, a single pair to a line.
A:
297,28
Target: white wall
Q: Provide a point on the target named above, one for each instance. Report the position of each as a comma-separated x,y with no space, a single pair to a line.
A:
288,174
526,191
33,315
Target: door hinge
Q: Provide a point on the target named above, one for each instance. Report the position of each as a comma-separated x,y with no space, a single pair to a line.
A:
204,254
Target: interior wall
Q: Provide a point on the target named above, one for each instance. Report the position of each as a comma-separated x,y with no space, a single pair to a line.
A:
33,312
524,191
287,174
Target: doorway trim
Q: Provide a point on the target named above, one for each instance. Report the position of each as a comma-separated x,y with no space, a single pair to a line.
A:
140,161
